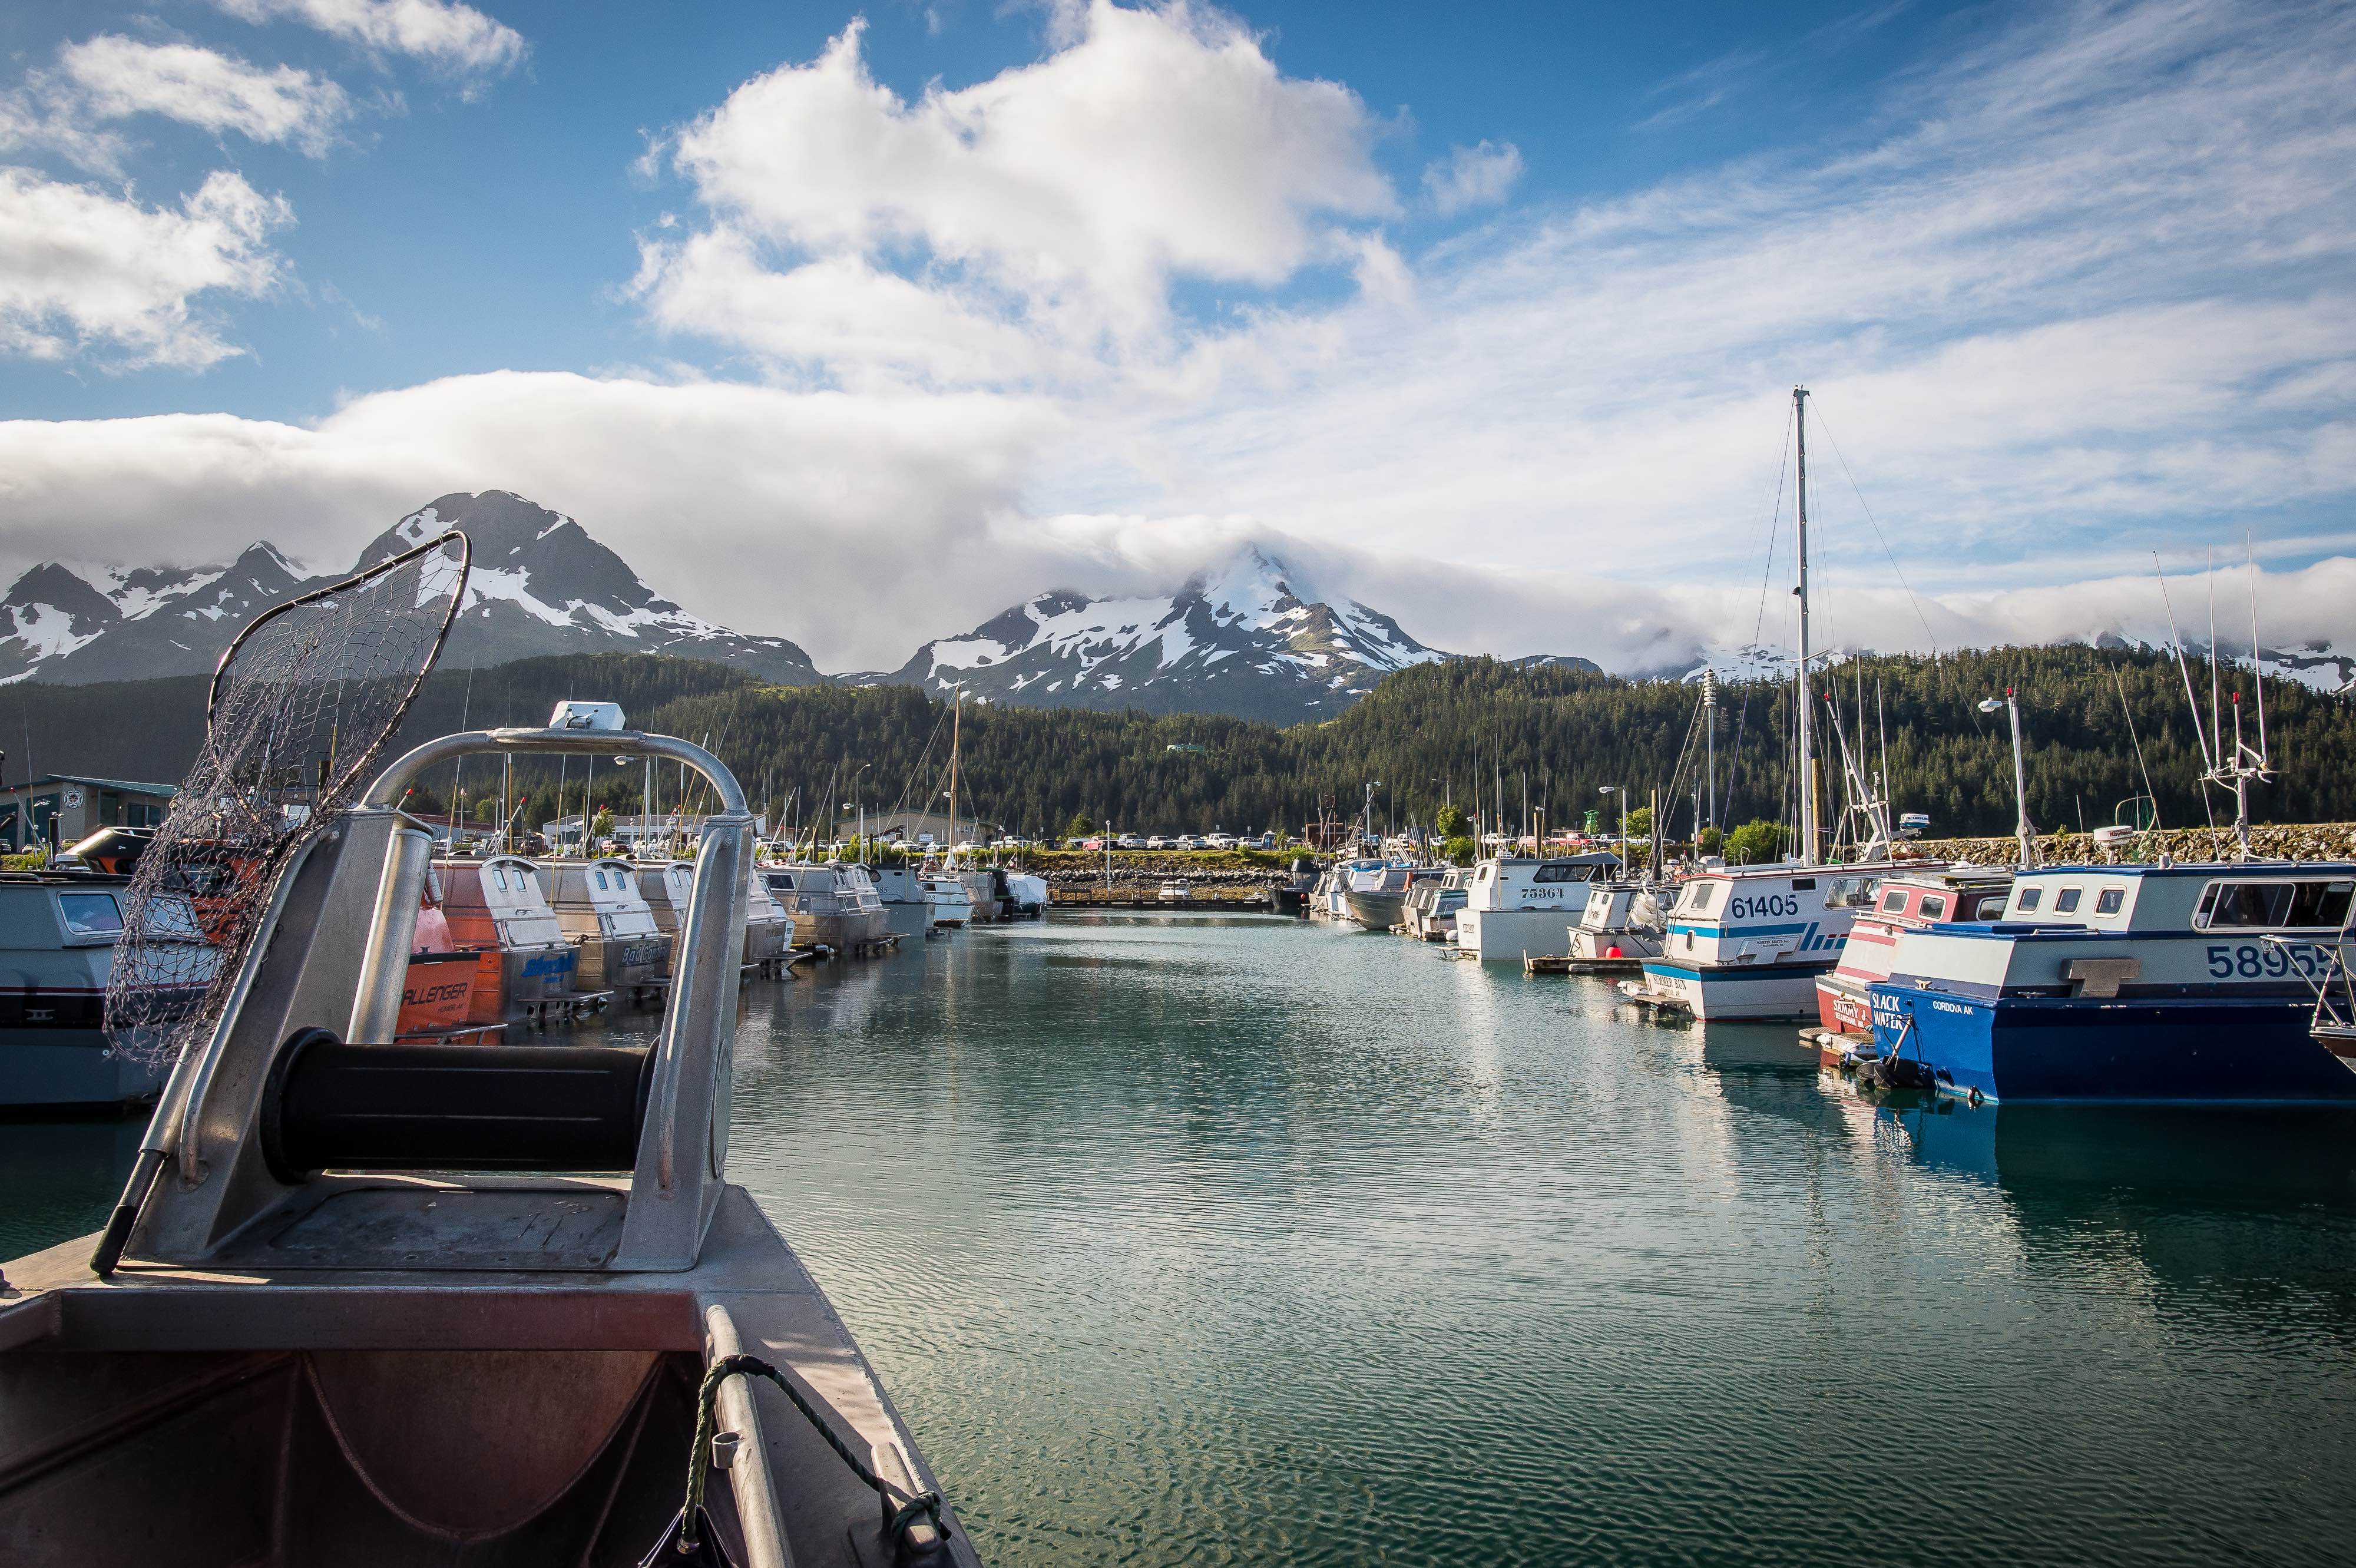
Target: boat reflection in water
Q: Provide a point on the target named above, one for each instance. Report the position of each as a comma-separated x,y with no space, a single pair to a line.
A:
2208,1199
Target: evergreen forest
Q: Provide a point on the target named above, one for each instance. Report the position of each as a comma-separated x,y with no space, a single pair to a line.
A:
2101,727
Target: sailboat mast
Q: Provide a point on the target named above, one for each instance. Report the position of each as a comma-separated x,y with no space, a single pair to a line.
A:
1807,763
957,729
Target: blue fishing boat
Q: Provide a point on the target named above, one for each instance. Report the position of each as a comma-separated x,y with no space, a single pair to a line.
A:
2128,982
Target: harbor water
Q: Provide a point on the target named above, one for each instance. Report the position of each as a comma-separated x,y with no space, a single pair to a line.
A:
1190,1239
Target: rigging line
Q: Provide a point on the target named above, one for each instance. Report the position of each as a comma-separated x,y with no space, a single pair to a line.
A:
2120,682
1887,553
1775,526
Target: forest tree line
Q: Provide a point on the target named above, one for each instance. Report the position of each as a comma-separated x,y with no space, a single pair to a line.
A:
2097,723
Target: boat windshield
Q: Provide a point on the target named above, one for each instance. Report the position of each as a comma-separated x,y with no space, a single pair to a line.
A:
2240,906
90,913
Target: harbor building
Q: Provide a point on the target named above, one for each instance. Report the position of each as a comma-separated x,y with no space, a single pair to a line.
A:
59,809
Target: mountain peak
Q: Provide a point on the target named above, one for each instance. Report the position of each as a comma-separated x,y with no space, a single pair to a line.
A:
1250,581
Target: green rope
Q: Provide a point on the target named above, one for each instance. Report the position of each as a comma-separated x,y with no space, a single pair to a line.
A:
912,1507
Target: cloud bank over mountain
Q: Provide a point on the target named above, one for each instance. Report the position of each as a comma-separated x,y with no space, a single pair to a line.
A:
2080,285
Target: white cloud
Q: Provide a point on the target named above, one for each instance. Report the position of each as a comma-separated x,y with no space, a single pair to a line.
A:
1472,176
441,32
83,270
117,77
2088,289
111,78
1061,197
757,506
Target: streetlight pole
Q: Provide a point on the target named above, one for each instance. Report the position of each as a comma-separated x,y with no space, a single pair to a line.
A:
1616,790
2021,828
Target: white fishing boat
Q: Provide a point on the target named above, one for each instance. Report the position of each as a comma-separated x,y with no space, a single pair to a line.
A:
1376,897
1749,941
1517,906
947,903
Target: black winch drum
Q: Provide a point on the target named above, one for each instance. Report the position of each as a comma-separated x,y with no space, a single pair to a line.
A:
332,1106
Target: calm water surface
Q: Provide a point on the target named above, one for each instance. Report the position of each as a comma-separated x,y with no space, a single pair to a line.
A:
1190,1240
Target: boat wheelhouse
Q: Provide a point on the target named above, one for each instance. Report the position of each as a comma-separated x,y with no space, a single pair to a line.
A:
1904,901
769,930
947,903
1749,942
1431,906
663,884
1621,922
1516,907
598,904
497,906
57,934
2128,982
833,905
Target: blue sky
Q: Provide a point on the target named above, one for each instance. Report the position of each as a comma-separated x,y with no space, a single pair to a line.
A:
1488,318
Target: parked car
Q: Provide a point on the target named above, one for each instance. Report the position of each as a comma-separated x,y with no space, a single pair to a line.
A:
1185,840
1096,843
1157,842
1220,841
1128,841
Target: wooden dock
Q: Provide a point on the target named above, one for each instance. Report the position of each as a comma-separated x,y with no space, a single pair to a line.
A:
1253,900
1546,963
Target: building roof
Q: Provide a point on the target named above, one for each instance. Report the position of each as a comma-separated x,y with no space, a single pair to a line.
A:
128,785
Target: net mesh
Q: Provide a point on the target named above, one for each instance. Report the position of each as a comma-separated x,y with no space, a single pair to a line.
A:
303,705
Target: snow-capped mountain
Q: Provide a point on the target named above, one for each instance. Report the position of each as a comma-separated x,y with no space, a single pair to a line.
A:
1244,639
540,585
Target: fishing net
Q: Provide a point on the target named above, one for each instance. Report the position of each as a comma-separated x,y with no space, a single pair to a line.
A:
302,705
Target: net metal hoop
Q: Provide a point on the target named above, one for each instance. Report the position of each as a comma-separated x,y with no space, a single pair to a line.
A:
196,900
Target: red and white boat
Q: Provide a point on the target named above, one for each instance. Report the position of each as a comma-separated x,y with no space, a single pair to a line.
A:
1903,901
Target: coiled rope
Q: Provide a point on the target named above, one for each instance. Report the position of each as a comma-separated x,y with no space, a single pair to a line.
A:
907,1507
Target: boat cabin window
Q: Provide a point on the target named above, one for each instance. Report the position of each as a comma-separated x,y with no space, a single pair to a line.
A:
2030,899
1698,898
499,877
1804,884
2108,900
1893,901
2244,905
90,913
2066,901
1989,907
1851,891
1935,906
1564,874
